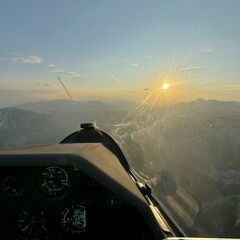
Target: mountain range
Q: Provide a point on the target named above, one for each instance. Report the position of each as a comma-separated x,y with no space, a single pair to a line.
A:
189,152
51,121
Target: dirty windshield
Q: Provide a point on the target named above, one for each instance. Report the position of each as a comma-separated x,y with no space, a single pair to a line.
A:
161,77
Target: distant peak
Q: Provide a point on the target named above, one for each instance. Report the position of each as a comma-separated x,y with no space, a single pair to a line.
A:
200,100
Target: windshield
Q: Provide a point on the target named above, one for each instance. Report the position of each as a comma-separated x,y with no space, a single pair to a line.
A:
162,77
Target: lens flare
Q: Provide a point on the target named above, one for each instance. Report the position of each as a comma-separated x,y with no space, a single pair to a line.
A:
165,86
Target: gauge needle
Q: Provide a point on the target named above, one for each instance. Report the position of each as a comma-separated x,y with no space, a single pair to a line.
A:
65,219
51,172
25,228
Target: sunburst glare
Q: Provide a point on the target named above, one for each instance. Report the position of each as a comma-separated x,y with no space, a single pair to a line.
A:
165,86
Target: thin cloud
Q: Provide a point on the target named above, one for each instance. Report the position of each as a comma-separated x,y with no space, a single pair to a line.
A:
32,60
52,65
134,65
67,73
190,69
43,91
47,84
44,84
131,90
22,59
115,78
15,59
207,50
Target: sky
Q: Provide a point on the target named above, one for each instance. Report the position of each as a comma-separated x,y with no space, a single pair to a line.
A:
119,49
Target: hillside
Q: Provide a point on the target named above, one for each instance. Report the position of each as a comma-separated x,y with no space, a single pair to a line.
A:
23,127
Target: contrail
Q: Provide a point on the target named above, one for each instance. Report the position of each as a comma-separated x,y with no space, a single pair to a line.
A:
114,77
65,89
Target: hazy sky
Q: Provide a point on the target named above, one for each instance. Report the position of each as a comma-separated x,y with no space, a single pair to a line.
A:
119,48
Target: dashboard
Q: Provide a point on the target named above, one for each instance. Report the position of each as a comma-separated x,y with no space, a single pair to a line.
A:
57,202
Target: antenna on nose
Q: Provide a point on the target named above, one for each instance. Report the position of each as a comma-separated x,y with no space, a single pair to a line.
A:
71,99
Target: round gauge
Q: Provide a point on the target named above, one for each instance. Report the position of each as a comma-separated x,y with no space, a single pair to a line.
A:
74,219
32,226
12,187
54,181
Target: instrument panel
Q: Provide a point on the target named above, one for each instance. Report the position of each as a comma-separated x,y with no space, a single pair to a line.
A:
54,181
62,203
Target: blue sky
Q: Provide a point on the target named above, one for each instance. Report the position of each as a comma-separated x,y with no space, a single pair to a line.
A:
120,44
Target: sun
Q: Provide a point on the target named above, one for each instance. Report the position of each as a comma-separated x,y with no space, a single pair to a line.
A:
165,86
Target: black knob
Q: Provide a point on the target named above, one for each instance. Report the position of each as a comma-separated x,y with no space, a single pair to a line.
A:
86,126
